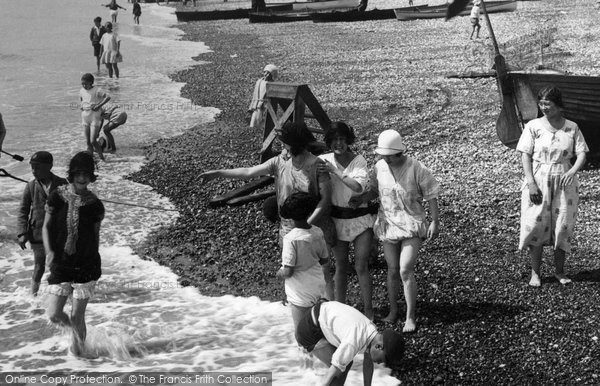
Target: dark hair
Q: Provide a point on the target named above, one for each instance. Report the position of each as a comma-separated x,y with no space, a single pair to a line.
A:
87,77
339,129
98,19
552,94
393,347
298,206
81,162
297,136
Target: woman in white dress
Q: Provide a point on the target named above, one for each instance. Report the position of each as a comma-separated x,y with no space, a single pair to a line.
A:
111,50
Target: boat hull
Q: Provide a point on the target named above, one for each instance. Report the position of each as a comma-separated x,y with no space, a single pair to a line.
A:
352,15
300,11
581,99
439,11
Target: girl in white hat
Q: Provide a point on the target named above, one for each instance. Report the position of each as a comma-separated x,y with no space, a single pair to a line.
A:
402,185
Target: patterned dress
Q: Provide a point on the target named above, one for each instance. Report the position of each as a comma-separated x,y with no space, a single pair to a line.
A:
552,222
401,213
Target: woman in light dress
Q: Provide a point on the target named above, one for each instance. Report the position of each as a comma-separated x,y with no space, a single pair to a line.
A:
111,50
550,191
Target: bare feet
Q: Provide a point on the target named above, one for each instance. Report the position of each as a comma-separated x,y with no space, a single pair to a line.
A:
563,279
409,326
535,281
391,318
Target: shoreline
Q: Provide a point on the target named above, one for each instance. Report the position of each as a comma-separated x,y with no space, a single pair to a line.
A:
473,302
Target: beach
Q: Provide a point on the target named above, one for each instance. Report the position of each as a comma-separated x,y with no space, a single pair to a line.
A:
478,319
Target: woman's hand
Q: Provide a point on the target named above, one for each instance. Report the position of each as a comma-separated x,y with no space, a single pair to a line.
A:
567,179
356,201
208,176
535,194
434,230
327,167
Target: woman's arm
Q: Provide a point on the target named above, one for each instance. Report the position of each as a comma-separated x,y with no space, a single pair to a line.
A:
567,178
285,272
97,232
324,203
238,173
434,227
350,182
46,229
535,193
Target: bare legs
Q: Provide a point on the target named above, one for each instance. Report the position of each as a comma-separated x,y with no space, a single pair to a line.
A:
76,321
112,68
362,250
110,146
401,260
91,139
535,254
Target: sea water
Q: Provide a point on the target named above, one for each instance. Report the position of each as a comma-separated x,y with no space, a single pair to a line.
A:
140,319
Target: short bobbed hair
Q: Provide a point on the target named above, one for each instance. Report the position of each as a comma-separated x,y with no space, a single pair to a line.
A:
87,77
299,206
552,94
297,136
339,129
81,162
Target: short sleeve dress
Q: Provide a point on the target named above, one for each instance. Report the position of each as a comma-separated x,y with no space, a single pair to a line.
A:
401,213
73,236
552,222
349,228
288,180
110,48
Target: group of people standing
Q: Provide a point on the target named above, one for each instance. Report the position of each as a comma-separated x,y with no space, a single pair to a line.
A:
324,201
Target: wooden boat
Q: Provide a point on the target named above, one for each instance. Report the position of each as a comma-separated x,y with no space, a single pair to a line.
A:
277,17
581,99
439,11
300,11
228,14
352,15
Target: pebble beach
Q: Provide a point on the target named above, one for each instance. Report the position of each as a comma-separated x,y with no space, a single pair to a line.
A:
478,320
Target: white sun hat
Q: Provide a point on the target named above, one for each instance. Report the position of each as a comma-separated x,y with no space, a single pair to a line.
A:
389,143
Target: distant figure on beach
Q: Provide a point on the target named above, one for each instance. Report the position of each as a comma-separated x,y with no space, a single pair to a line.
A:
257,107
2,133
410,2
295,170
92,99
550,190
95,35
257,5
350,176
475,15
113,116
32,212
114,10
335,333
71,234
402,185
303,252
111,50
137,11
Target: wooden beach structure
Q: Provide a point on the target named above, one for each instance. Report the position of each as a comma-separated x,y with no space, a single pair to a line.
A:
439,11
283,102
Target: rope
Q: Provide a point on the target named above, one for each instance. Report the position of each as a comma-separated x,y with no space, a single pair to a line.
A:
4,173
